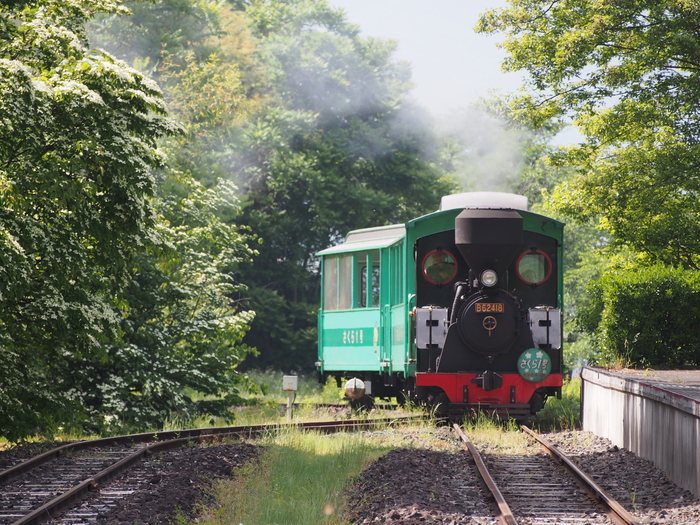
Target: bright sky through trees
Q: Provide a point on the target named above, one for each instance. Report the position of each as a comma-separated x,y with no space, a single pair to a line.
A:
451,65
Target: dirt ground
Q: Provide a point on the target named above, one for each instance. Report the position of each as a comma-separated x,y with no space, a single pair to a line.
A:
176,487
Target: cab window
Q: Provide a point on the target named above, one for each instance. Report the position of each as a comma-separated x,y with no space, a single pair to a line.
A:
534,267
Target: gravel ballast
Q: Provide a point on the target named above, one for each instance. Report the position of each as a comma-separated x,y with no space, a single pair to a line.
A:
413,484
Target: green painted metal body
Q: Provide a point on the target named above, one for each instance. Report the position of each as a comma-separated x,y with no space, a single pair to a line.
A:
378,338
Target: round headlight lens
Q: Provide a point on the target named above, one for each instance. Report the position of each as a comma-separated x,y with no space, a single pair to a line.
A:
489,278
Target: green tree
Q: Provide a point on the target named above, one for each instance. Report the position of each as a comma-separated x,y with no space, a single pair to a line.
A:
181,332
77,148
627,74
182,329
341,148
312,123
154,30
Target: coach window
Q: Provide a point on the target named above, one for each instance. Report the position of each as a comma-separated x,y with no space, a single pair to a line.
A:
345,283
534,267
330,283
337,283
369,273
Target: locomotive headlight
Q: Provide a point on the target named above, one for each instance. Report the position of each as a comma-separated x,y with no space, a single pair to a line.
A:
489,278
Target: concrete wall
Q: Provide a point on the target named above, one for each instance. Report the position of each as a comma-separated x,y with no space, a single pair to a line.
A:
655,424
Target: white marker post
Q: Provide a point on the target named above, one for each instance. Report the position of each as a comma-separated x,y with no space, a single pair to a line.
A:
289,385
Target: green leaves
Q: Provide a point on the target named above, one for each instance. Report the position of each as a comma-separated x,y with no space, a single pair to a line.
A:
337,147
627,75
77,146
181,331
647,317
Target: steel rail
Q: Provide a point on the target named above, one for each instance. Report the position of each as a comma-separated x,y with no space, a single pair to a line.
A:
170,439
617,512
147,437
506,516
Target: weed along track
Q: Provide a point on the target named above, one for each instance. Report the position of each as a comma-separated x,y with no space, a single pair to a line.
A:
391,473
533,483
78,482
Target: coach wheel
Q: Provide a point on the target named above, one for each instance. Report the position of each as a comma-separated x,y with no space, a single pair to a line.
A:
401,399
364,404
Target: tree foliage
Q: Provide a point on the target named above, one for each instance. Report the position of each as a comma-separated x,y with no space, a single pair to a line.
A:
180,332
339,147
646,317
154,31
77,148
627,74
181,328
312,123
117,297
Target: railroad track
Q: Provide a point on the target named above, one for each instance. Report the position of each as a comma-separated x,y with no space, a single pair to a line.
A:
46,485
544,488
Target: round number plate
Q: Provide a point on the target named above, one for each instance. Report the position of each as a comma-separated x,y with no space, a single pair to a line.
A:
534,365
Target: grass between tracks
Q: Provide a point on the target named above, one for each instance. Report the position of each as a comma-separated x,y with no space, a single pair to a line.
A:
561,414
300,478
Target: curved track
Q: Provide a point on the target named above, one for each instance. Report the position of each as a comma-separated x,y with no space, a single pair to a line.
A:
37,489
544,488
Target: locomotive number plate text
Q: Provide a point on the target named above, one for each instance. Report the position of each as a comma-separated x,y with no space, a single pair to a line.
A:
497,308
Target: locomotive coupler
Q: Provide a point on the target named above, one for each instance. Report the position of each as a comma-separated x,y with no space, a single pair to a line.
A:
489,380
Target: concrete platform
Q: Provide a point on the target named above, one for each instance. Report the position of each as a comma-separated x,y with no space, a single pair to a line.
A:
653,413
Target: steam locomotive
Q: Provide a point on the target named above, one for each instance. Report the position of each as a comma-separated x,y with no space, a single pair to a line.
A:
459,309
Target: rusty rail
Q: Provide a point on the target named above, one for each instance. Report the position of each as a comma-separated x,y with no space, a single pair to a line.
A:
506,517
164,441
617,512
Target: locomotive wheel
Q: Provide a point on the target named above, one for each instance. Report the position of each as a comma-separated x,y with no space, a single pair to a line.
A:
440,405
363,404
536,403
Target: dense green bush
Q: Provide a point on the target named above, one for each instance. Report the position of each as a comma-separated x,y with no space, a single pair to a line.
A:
647,317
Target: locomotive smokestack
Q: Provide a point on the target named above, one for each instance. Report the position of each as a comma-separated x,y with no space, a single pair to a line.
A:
489,239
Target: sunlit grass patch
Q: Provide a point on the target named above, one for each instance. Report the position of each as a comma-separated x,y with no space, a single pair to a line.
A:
299,480
498,436
564,413
269,388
